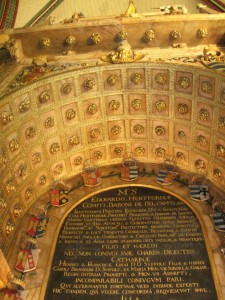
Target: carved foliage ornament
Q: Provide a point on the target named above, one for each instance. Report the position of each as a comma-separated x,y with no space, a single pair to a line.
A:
66,88
182,108
160,130
22,169
74,140
24,106
3,160
95,133
70,114
175,34
200,164
88,84
55,147
118,151
3,203
113,79
92,109
14,145
136,104
203,32
78,160
217,173
17,210
30,132
160,105
180,156
140,151
95,38
160,152
10,186
70,40
116,129
184,82
204,114
45,42
58,169
6,117
98,154
160,78
206,87
122,35
114,105
149,35
49,122
220,150
28,193
222,122
181,135
201,140
9,227
139,129
44,97
137,78
42,180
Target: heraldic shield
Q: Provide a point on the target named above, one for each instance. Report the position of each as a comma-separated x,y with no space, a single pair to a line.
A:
15,295
27,260
129,170
59,197
91,175
167,175
37,226
199,191
219,221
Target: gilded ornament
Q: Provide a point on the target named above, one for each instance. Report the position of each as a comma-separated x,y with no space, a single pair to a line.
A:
222,122
182,108
45,42
137,78
36,158
42,180
200,164
203,32
24,106
49,122
203,114
175,34
220,150
74,140
92,109
6,117
122,35
14,145
98,154
3,160
28,193
78,160
70,40
184,82
149,35
55,147
58,169
181,134
66,88
201,140
70,114
44,97
17,210
160,105
136,104
118,151
160,130
160,78
30,132
89,84
113,79
140,151
217,173
3,203
139,129
95,133
95,38
206,87
114,105
9,227
160,152
22,170
10,186
180,156
116,129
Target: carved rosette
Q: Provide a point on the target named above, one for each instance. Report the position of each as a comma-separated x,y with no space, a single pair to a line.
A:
136,78
22,170
136,104
30,133
95,133
74,140
220,150
140,151
139,129
114,105
98,154
206,87
45,42
182,108
49,122
9,227
204,114
44,97
113,79
6,117
184,82
116,129
10,186
78,160
200,164
58,169
118,151
28,193
180,156
14,145
202,32
217,174
89,84
201,141
181,135
55,147
66,88
149,35
160,152
70,114
160,130
42,180
70,40
95,38
160,105
222,122
161,78
17,210
92,109
122,35
24,106
175,34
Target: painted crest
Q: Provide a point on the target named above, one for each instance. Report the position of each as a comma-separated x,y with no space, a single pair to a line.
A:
27,260
219,221
199,192
15,295
129,170
37,226
165,177
59,197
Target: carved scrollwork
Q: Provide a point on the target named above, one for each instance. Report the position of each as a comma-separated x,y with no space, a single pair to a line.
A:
160,105
182,108
160,152
78,160
140,151
201,141
222,122
137,78
118,151
49,122
136,104
42,180
113,79
6,117
181,135
30,133
217,173
206,87
95,38
200,164
160,130
55,147
44,97
66,88
184,82
139,129
204,114
58,169
149,35
70,114
161,78
74,140
89,84
98,154
45,42
180,156
93,108
116,129
95,133
24,106
114,105
175,34
220,150
122,35
70,40
202,32
14,145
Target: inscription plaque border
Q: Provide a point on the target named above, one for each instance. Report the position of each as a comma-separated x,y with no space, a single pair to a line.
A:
197,214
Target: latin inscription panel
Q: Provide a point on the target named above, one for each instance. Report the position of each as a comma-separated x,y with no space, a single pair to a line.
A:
132,243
